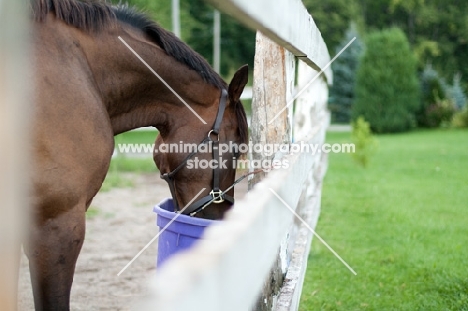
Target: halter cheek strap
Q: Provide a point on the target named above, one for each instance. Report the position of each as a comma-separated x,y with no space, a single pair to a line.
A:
216,195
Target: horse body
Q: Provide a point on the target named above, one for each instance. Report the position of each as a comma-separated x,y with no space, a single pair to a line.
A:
88,88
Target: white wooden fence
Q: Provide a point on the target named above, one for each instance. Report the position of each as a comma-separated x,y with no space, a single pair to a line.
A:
227,269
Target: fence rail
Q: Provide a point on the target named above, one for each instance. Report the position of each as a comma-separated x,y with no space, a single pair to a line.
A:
260,236
225,270
285,22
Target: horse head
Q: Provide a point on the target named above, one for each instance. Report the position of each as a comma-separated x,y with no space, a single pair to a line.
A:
199,160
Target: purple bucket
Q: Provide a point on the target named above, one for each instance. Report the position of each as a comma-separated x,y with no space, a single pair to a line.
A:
180,234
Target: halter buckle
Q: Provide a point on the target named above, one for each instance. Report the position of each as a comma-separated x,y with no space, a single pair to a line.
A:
217,198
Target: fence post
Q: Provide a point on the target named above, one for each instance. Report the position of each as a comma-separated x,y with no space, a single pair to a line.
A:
14,144
272,87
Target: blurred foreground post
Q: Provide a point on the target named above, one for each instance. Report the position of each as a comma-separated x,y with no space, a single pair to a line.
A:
176,17
216,40
14,144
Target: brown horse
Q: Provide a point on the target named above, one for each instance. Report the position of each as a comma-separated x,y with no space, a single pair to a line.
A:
89,87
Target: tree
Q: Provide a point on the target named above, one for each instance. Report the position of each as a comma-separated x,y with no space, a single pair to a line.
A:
387,89
456,93
437,102
363,140
237,41
333,18
433,86
437,29
344,77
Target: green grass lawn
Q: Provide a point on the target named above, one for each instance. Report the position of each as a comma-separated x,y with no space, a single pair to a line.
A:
136,137
402,224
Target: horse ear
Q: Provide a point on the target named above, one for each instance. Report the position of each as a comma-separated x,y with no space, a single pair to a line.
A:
238,82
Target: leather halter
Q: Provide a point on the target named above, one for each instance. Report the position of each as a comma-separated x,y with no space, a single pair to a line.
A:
216,195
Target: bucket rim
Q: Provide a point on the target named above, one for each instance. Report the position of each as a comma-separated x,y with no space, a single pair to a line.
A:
181,218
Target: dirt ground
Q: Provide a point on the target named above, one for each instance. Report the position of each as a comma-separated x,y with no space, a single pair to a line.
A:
120,224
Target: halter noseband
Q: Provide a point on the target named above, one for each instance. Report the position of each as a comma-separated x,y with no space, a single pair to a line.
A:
216,195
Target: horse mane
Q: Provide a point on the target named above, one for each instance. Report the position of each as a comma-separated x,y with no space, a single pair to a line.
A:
94,16
91,16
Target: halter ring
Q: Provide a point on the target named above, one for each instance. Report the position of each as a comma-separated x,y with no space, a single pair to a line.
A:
217,196
212,132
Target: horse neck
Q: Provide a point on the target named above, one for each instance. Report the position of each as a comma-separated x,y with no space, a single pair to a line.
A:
133,95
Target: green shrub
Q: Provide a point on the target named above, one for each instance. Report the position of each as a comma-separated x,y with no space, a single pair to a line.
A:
460,119
363,140
456,93
433,107
432,86
387,88
439,113
344,77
